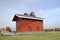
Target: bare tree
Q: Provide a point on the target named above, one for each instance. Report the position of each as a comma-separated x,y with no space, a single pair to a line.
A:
7,29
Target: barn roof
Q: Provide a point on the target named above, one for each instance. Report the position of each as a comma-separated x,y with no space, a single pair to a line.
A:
26,17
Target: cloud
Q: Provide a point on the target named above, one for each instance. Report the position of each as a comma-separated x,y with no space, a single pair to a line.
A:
51,16
50,12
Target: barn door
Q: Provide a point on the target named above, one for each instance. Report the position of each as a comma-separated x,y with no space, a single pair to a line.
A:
29,28
38,28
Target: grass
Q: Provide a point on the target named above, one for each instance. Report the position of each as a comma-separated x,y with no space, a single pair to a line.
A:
38,36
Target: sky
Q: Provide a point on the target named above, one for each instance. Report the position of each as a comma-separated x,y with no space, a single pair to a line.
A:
47,9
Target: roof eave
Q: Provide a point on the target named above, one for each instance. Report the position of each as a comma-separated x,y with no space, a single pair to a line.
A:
15,18
29,17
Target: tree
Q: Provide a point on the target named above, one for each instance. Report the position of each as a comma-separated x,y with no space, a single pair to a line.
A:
7,29
32,14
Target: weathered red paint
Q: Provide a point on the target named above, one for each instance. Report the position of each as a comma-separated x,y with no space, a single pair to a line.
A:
29,25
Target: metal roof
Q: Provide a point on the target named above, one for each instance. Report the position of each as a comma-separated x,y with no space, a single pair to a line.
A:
29,17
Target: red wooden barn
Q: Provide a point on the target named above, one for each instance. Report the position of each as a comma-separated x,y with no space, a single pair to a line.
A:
28,23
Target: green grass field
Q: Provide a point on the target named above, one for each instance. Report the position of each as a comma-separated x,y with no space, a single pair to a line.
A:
38,36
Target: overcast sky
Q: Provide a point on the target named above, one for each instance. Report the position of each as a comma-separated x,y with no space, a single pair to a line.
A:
47,9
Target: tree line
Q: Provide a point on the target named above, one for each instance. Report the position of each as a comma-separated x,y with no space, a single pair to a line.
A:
52,29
